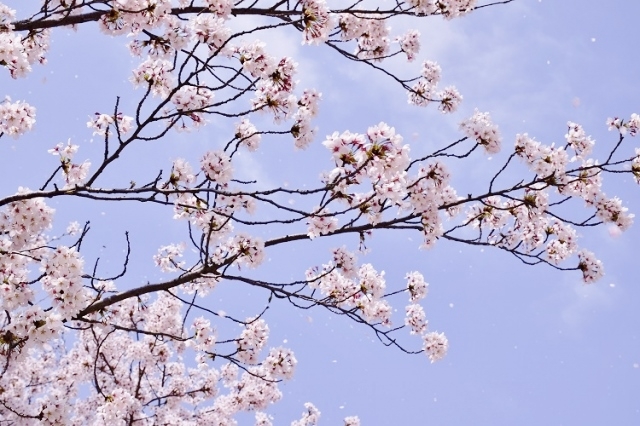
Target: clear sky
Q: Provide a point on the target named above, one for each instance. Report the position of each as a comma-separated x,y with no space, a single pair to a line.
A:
528,345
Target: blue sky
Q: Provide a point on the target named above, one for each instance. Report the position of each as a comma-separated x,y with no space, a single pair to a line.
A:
528,346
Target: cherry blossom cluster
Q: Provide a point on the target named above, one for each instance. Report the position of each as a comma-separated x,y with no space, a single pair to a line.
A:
145,379
252,340
436,345
525,224
302,131
480,127
448,8
372,36
63,269
216,165
410,44
578,139
316,21
590,266
241,250
22,223
551,163
248,135
148,360
222,8
134,16
346,286
321,222
193,101
176,36
22,243
425,90
167,255
17,53
364,290
378,156
274,92
310,416
632,126
100,123
212,31
16,118
72,173
427,192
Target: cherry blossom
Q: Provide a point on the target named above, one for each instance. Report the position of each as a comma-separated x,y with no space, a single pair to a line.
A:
217,166
436,345
410,44
16,118
480,127
83,345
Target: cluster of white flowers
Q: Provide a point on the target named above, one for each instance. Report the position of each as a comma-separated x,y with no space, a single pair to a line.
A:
63,268
156,74
321,222
352,421
564,245
280,363
134,16
310,416
274,94
425,90
166,257
100,123
632,126
252,340
16,118
416,318
216,165
302,131
248,135
427,192
372,35
590,266
222,8
448,8
193,101
410,44
73,173
578,140
416,286
22,224
363,289
213,32
13,55
181,173
551,163
480,127
316,21
436,345
204,335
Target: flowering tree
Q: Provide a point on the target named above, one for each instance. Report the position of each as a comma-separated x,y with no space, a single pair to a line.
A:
155,353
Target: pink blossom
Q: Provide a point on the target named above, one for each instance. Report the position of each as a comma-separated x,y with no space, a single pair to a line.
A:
216,165
410,44
436,345
480,127
16,118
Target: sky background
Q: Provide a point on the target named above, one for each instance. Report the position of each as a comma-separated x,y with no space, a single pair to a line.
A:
528,345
